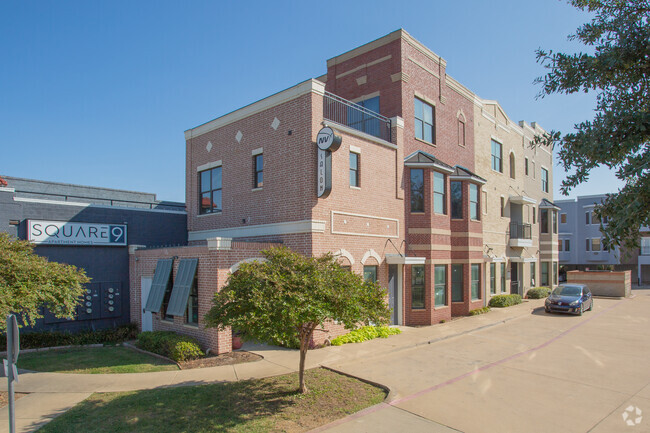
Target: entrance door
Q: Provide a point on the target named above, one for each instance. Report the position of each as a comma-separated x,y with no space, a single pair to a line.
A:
514,278
393,296
145,287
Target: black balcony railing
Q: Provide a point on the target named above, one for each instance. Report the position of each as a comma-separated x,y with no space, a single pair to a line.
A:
520,231
355,116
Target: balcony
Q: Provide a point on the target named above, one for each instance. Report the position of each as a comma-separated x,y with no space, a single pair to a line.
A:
521,235
355,116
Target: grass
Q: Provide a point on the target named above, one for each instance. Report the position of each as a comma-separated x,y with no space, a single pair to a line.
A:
260,405
93,360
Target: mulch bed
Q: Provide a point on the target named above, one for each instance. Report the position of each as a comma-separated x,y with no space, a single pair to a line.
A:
238,357
4,397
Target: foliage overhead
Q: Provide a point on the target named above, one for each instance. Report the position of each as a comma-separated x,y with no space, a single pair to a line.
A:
289,296
618,137
29,282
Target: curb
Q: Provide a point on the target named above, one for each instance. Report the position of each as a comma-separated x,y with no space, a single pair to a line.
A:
390,393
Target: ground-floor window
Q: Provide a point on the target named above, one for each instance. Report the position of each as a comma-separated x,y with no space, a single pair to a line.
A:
503,277
417,287
544,276
193,305
493,278
370,273
555,273
456,283
476,281
532,274
440,278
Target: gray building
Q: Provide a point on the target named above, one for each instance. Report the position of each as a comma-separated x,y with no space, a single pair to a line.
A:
90,228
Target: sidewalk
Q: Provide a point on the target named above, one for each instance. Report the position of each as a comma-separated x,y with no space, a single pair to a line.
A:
53,393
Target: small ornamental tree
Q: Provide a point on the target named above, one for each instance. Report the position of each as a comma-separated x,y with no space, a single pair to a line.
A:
288,296
28,282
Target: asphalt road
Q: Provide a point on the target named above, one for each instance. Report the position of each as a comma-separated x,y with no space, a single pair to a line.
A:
538,373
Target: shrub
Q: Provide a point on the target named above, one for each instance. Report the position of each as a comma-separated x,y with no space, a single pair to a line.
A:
35,340
365,333
170,344
500,301
479,311
538,293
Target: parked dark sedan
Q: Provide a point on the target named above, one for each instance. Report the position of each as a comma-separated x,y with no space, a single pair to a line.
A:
570,298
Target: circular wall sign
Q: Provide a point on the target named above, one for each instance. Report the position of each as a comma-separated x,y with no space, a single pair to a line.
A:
327,140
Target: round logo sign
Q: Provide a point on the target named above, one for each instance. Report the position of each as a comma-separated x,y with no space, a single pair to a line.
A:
327,140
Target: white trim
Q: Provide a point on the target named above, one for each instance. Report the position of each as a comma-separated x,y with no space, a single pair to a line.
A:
257,189
364,97
306,87
208,166
257,151
498,140
103,206
522,199
352,131
363,216
344,253
7,189
236,266
355,149
424,99
365,65
435,74
429,165
371,253
398,259
290,227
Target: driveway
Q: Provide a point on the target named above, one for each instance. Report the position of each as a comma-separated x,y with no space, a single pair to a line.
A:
536,373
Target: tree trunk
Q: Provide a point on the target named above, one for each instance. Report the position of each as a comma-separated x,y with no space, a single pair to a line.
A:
305,337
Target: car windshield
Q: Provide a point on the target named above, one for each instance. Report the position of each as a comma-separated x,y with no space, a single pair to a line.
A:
568,291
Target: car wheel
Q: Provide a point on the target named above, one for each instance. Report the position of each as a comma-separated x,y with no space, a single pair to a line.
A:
547,310
591,306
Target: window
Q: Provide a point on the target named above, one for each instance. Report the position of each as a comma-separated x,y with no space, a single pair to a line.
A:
532,165
210,187
417,190
456,189
440,280
473,202
545,280
456,283
493,278
554,213
439,198
364,121
417,287
512,166
594,219
555,273
193,305
258,171
354,169
567,245
587,244
562,218
370,273
544,179
532,274
461,132
534,215
587,217
503,277
543,221
476,281
605,220
503,206
595,244
645,246
526,166
559,244
497,163
424,124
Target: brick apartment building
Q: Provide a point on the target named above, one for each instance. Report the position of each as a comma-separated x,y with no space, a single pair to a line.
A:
401,200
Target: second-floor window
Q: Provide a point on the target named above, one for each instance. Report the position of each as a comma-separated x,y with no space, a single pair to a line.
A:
473,202
364,121
439,197
417,190
554,221
526,166
645,246
424,123
544,180
258,171
354,169
497,157
456,190
543,220
210,191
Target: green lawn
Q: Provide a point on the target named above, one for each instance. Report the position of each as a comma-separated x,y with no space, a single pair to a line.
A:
260,405
93,360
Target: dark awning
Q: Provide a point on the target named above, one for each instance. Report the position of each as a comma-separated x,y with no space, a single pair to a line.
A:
161,280
182,287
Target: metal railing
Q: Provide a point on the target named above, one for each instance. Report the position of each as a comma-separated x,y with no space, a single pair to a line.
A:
520,231
355,116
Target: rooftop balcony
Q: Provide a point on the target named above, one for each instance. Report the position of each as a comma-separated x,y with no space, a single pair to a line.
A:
355,116
521,235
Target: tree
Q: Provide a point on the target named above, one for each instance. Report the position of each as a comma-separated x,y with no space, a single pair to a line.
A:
619,135
28,282
289,296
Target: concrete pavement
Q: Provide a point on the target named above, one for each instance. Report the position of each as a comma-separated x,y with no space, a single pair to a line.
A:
502,371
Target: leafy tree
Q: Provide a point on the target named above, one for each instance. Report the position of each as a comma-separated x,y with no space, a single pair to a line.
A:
29,282
288,296
618,137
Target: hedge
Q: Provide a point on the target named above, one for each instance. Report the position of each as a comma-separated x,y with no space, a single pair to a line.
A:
365,333
170,344
500,301
538,293
35,340
479,311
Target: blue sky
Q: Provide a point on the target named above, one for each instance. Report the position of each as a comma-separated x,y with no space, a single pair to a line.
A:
99,93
